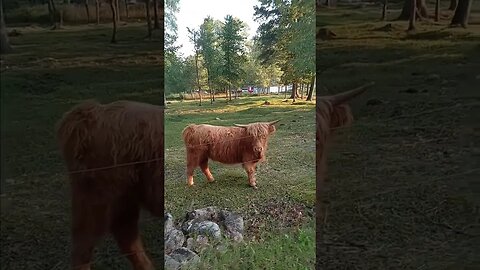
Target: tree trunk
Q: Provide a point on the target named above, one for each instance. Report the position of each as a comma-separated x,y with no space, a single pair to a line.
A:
114,20
53,11
453,4
126,9
97,11
407,9
155,15
117,5
411,22
88,11
5,46
462,12
384,10
149,18
294,94
437,10
310,91
61,18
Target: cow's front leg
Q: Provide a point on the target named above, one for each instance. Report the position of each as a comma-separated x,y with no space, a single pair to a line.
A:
250,169
206,171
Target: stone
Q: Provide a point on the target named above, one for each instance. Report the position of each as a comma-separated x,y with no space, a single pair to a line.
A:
198,243
234,225
168,218
207,213
174,239
206,228
171,264
184,255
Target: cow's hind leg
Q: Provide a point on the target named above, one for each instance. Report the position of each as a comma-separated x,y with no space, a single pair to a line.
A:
126,232
250,168
192,163
206,170
89,225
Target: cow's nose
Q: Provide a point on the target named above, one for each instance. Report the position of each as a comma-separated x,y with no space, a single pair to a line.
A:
258,149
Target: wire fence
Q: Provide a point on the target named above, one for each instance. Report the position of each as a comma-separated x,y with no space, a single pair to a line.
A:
356,123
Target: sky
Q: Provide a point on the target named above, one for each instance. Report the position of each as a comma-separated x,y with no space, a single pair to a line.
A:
192,13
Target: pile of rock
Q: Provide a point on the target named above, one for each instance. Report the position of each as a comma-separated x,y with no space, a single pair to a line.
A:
201,228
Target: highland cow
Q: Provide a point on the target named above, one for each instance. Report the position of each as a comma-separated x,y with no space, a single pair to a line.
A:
115,158
245,144
332,112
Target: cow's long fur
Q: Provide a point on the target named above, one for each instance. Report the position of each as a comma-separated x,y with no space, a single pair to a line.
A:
115,156
229,145
331,113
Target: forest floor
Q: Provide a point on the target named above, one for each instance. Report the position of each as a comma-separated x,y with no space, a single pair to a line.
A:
404,178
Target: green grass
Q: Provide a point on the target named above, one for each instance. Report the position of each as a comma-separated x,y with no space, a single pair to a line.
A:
393,196
293,250
286,181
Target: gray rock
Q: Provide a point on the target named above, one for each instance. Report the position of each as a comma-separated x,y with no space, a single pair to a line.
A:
234,225
168,226
232,221
206,228
174,239
198,243
207,213
171,264
184,256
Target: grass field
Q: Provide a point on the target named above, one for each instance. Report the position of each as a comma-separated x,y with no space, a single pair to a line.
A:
284,200
403,187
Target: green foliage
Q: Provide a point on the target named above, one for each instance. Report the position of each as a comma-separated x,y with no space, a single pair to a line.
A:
285,37
171,9
233,46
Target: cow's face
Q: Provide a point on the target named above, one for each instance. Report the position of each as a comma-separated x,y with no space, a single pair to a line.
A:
260,133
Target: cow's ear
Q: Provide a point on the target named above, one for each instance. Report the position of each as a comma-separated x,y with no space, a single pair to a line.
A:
271,128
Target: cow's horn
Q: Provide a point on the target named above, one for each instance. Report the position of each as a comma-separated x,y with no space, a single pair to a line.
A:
273,122
239,125
342,97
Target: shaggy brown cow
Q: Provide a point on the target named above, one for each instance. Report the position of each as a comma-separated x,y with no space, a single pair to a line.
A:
246,144
114,154
332,112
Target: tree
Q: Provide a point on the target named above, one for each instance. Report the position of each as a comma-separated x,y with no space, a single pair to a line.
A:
97,11
462,12
171,8
5,46
208,41
113,7
437,10
149,19
88,11
453,4
232,42
411,23
384,10
156,22
194,40
421,10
